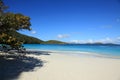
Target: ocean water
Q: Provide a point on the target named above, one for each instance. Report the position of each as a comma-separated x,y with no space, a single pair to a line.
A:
111,50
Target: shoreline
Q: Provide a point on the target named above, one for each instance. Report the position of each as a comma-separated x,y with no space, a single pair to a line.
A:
79,53
67,67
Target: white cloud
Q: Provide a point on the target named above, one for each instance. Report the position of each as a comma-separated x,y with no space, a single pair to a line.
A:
110,40
33,32
60,36
90,41
106,40
75,41
118,38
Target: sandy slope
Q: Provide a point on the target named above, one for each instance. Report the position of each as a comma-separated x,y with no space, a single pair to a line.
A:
64,67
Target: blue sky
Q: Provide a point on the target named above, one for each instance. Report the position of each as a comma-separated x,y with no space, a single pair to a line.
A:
77,21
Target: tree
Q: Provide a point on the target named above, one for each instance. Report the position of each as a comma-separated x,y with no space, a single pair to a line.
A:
10,22
3,7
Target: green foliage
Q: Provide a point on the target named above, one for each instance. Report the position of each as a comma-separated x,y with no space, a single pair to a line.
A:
26,39
3,7
53,42
9,23
10,40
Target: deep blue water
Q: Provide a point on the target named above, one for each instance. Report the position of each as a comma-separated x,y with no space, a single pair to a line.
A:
113,50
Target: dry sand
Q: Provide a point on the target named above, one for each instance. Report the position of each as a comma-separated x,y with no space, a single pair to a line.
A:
65,67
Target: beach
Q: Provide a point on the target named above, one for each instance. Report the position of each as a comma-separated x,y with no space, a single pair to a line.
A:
59,66
60,40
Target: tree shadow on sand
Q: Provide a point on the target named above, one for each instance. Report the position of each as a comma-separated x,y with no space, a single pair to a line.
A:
12,66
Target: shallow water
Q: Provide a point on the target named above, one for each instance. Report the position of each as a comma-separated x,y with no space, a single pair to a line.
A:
112,50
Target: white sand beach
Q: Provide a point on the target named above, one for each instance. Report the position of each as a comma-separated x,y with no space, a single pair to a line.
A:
65,67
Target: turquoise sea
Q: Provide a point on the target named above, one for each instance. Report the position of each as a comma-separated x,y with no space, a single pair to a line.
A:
106,49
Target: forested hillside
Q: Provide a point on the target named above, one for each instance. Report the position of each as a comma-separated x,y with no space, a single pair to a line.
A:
24,38
32,40
53,42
